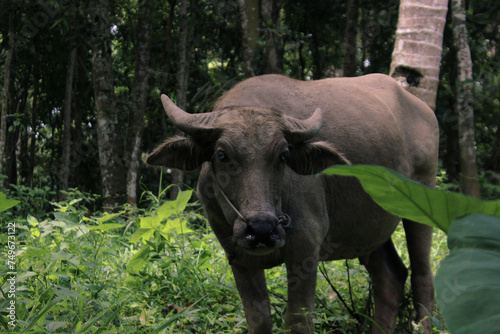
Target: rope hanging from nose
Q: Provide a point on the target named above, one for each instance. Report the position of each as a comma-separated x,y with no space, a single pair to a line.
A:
283,219
228,201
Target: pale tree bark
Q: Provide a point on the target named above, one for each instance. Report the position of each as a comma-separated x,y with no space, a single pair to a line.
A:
111,162
349,62
249,17
139,96
6,90
270,10
464,102
418,47
66,149
415,65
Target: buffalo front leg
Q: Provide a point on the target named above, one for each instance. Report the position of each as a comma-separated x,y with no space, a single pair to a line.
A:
388,274
419,240
301,293
251,284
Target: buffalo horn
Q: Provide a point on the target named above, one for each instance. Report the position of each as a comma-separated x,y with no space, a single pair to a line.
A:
196,125
299,130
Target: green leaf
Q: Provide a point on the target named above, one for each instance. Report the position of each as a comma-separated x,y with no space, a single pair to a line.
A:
6,203
108,216
138,261
409,199
175,207
178,225
88,326
468,280
144,233
105,227
40,315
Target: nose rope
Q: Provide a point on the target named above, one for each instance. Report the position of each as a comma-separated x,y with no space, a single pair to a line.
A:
283,219
229,202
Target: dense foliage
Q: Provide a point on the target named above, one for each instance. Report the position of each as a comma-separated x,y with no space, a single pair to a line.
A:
312,36
158,269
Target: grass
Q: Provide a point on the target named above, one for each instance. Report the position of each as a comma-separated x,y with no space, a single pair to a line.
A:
79,273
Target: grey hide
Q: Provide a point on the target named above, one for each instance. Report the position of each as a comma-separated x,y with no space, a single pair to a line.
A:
259,150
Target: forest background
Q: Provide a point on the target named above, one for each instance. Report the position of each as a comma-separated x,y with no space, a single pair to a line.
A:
72,64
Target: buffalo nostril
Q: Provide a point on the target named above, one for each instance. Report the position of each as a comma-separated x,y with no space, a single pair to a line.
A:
262,224
274,236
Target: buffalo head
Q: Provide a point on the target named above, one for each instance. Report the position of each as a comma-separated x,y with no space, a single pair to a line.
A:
248,152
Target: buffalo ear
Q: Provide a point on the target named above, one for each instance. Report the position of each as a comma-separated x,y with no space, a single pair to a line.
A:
311,158
179,152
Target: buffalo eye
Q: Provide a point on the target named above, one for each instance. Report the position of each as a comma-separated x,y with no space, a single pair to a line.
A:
221,156
285,156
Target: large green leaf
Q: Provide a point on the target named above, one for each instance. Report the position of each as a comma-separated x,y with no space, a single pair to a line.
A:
468,280
175,207
6,203
409,199
138,261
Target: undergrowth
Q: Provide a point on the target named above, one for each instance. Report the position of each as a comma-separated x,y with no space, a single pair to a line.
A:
157,270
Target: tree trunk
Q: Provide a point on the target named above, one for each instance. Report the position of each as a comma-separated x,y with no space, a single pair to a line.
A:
111,162
349,63
274,43
168,45
6,90
139,96
417,50
66,149
464,102
249,13
182,86
34,116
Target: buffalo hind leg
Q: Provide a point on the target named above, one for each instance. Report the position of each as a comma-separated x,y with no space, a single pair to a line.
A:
388,274
419,240
252,288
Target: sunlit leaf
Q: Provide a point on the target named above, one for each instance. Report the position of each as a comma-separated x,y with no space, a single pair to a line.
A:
144,233
108,216
175,207
6,203
105,227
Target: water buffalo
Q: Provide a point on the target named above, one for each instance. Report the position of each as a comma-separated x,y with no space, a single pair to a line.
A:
259,151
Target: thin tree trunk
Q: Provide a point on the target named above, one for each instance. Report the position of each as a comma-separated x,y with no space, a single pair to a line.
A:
349,63
418,47
78,153
66,148
168,45
139,96
34,116
182,86
249,13
166,58
274,43
13,140
6,90
464,103
112,166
